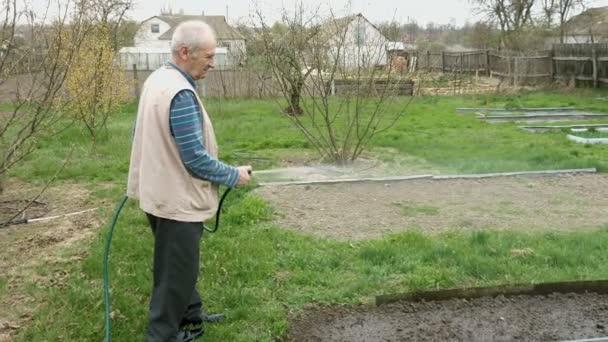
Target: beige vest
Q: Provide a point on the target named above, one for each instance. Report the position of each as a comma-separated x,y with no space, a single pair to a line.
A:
157,176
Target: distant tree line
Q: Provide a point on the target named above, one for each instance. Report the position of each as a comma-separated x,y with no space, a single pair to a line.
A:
505,24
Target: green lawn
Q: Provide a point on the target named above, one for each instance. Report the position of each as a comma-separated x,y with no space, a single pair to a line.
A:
258,273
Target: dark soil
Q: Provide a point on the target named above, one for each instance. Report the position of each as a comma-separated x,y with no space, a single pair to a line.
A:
557,317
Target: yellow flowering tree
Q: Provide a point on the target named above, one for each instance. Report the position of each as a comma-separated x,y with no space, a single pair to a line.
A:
96,84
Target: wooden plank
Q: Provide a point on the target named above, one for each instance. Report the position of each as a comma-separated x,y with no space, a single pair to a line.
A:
587,141
518,173
521,75
580,78
534,57
572,58
518,110
533,75
598,339
500,74
597,286
560,127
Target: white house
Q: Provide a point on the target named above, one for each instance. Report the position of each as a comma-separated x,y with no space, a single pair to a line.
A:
153,39
356,41
590,26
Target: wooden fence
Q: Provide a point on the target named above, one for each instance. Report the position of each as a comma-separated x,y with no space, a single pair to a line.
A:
578,63
393,87
225,83
571,62
254,84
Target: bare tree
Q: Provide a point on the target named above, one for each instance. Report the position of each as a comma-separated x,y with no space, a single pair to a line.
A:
549,10
332,72
285,47
109,13
510,15
35,73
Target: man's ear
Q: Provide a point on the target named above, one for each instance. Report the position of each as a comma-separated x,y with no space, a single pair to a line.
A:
183,53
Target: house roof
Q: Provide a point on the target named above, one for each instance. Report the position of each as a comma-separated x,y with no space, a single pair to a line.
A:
400,46
217,22
592,21
336,25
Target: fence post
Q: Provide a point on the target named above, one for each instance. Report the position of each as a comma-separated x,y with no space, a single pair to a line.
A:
247,80
552,64
428,60
516,68
442,61
510,69
594,58
488,62
135,81
462,62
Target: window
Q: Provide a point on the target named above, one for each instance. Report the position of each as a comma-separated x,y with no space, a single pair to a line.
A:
155,28
225,45
360,34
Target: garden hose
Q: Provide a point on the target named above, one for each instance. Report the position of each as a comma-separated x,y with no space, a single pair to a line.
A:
106,277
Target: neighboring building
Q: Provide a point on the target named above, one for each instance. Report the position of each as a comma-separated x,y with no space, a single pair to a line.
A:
154,35
400,56
591,26
358,42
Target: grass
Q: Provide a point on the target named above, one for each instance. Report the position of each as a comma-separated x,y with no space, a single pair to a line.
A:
259,274
411,209
3,286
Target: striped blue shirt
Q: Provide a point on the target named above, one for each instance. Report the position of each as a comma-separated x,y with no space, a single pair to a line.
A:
186,128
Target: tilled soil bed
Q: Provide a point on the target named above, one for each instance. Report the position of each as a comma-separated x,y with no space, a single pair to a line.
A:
369,210
556,317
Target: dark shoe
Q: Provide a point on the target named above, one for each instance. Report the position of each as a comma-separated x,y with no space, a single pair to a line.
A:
212,318
185,335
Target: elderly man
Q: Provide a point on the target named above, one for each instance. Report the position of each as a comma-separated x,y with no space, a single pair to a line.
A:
174,174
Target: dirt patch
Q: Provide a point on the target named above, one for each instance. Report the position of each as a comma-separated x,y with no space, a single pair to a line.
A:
370,210
555,317
24,248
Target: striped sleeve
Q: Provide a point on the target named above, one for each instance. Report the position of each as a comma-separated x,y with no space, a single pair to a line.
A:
186,128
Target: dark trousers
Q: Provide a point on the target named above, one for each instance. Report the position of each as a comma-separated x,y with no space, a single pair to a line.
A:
175,300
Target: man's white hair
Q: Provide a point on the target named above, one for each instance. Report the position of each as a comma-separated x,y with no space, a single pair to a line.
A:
191,34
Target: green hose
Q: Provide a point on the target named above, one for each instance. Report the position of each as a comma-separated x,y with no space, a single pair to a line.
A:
106,277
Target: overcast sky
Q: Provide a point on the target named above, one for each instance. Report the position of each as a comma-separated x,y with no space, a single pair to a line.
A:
422,11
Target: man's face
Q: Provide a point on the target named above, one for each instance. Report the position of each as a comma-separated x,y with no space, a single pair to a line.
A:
198,62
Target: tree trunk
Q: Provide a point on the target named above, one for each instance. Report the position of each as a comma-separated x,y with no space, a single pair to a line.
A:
294,99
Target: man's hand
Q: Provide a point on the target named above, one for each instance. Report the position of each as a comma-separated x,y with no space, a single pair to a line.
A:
244,175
